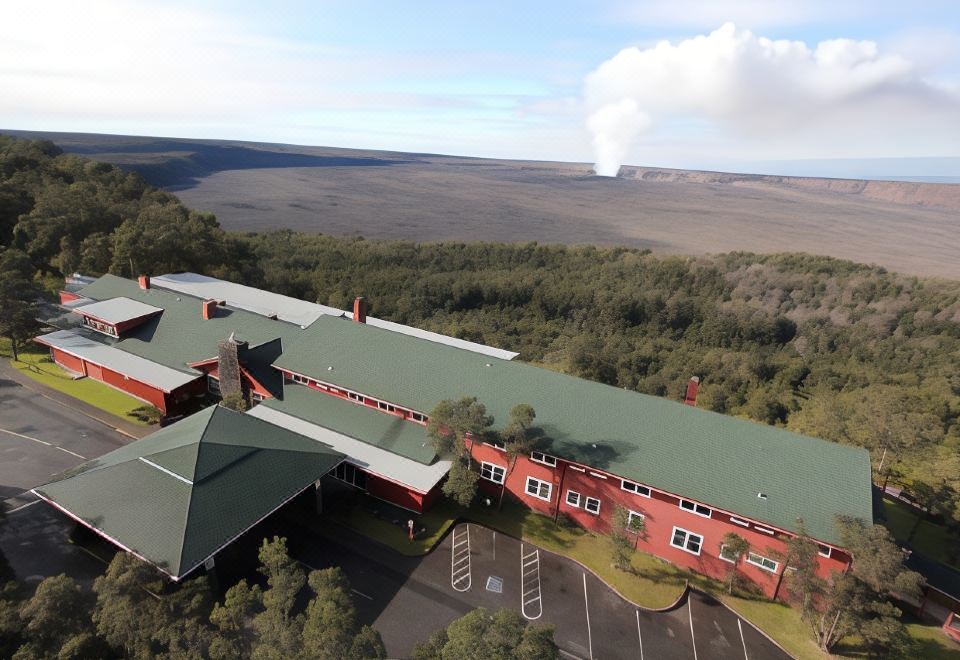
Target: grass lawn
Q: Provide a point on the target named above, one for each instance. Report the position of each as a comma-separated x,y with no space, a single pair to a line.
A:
931,540
653,583
36,364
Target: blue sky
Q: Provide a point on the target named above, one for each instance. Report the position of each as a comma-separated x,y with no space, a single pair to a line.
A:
517,79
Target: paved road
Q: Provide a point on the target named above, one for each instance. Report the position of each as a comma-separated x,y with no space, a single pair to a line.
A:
40,438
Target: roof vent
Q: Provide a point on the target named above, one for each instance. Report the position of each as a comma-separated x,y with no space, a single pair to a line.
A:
329,368
762,496
488,365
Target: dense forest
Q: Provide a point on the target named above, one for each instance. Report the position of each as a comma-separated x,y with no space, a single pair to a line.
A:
831,348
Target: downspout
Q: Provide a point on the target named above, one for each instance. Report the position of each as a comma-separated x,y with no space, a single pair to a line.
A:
563,475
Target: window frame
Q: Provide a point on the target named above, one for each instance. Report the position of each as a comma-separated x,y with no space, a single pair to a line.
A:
579,498
493,468
630,515
213,385
636,488
586,505
696,508
821,548
539,482
686,539
545,459
726,559
760,564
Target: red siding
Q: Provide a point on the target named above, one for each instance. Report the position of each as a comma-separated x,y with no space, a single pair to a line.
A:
66,361
661,514
135,388
66,296
397,494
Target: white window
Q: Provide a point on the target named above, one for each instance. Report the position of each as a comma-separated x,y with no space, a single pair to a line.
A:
539,489
419,417
256,396
213,385
727,555
737,521
578,469
764,530
573,498
382,405
687,541
540,457
631,487
763,562
592,505
598,475
303,380
634,520
698,509
824,550
492,472
355,397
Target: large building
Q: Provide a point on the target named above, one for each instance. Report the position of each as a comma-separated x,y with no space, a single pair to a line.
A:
364,388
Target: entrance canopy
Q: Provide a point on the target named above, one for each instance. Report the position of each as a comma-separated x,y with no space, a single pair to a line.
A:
180,495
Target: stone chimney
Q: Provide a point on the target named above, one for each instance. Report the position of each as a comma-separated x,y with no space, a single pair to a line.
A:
693,388
209,309
229,353
144,281
360,309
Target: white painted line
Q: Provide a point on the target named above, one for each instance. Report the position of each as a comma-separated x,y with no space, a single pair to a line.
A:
639,636
692,638
461,575
740,626
23,506
360,593
72,453
586,606
567,654
528,587
26,437
494,546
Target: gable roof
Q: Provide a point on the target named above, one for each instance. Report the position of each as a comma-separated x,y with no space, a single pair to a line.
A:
178,496
712,458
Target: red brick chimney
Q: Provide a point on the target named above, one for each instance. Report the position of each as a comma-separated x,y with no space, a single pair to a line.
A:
693,388
144,281
360,309
209,309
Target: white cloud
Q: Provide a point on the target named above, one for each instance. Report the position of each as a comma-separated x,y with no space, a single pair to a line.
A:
755,13
841,96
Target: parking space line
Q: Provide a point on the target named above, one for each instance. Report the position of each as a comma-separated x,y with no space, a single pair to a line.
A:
360,593
639,636
72,453
740,626
23,506
586,607
461,576
26,437
692,638
531,596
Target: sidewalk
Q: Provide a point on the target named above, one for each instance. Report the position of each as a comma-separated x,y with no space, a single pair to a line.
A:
127,428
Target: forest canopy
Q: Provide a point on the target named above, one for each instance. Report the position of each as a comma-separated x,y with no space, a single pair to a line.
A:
844,351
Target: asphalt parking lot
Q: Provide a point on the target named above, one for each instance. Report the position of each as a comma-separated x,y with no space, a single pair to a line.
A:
408,598
40,438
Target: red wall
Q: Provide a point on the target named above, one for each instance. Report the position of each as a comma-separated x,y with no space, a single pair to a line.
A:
70,362
66,296
661,513
396,494
135,388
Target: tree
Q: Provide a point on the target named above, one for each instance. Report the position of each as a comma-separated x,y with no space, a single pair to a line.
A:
235,401
18,298
518,439
125,614
855,601
461,483
235,639
54,616
455,421
931,499
331,630
479,634
735,547
621,524
279,630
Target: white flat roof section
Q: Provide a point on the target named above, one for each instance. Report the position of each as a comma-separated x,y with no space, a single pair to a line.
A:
418,476
137,368
118,310
300,312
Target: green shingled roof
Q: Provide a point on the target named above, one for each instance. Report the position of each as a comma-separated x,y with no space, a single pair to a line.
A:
180,334
179,495
357,421
718,460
